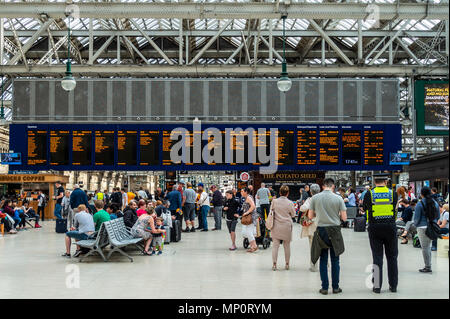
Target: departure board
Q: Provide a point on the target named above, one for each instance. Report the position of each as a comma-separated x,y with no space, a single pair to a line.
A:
329,147
306,147
145,146
37,147
59,147
351,147
104,148
373,147
126,147
149,148
82,148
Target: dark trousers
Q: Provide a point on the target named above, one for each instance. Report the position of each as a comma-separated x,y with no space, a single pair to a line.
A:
40,211
200,219
177,215
384,236
323,266
443,231
265,208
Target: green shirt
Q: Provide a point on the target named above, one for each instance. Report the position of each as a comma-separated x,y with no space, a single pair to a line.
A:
100,217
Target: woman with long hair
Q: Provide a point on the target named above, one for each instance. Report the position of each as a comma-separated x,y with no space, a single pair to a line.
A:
426,210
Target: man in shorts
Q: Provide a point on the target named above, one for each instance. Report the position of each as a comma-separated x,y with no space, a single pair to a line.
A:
189,208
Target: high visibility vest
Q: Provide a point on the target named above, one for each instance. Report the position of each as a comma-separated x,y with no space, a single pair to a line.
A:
382,200
100,196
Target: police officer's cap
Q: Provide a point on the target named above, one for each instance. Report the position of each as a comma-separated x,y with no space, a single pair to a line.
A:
383,176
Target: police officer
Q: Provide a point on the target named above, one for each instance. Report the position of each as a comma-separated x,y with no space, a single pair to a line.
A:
379,206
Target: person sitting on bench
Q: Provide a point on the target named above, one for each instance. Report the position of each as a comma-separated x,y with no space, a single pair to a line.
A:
84,227
31,214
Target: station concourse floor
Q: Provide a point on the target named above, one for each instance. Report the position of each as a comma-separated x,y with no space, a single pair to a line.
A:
201,266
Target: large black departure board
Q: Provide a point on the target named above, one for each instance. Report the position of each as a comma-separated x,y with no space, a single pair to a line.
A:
104,148
373,147
37,147
329,147
126,147
82,148
220,147
351,147
149,148
59,147
306,147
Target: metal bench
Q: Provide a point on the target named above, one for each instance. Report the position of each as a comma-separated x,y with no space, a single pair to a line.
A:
119,237
95,245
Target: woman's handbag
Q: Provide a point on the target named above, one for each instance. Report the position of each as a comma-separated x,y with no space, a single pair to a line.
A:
433,230
247,219
269,220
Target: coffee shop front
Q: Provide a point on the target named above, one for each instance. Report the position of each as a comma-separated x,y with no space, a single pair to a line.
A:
26,187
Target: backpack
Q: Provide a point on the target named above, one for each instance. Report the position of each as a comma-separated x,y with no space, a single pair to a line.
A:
416,241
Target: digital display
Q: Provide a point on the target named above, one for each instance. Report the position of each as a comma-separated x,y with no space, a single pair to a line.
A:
104,148
351,147
306,147
59,147
431,101
373,147
82,148
436,106
329,147
37,148
126,147
217,147
11,158
149,148
399,159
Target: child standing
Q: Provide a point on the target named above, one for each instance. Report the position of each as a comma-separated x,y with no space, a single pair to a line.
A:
158,238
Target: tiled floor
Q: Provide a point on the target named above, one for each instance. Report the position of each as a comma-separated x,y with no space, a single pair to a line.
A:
200,266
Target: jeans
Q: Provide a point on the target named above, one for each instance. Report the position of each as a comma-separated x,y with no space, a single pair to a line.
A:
205,211
425,243
335,267
41,210
218,217
443,231
384,237
57,211
200,219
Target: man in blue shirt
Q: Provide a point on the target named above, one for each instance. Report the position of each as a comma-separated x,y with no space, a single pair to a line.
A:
174,197
78,197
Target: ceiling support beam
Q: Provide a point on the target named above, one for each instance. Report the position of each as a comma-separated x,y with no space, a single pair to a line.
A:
30,42
152,43
330,42
101,49
210,42
222,10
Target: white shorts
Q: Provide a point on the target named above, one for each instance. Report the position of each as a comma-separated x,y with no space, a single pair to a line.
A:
249,231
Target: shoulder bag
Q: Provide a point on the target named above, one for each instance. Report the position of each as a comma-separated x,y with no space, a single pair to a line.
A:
247,219
270,217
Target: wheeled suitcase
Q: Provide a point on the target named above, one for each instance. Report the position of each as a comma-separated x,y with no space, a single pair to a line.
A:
175,235
360,224
61,226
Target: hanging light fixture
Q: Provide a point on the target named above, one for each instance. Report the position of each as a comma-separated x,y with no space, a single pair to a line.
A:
284,83
68,83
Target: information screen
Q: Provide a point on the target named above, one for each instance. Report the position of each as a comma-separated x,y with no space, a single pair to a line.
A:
149,148
329,147
373,147
59,147
82,148
104,148
126,147
37,147
351,147
306,147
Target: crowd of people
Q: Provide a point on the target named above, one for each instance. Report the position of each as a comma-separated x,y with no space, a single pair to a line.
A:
321,211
